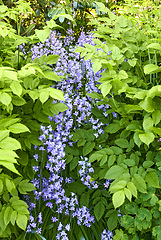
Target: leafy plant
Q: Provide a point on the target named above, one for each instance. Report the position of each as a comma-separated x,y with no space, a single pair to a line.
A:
130,85
26,101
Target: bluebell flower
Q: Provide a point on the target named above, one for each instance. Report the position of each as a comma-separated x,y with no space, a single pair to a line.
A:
106,235
79,79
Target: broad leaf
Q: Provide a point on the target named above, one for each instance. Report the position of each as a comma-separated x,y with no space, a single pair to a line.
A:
152,179
132,188
114,172
18,128
122,142
21,221
16,88
42,34
139,183
147,137
118,198
88,147
151,68
10,143
99,210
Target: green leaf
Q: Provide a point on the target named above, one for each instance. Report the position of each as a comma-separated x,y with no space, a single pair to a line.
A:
147,137
44,95
118,198
12,75
21,221
18,128
3,8
81,142
152,179
103,160
10,143
137,139
95,156
156,231
10,185
111,160
118,186
122,21
114,172
99,210
56,94
154,91
147,123
147,105
116,54
7,215
156,116
1,186
25,186
122,142
122,75
132,62
128,193
51,59
150,68
4,134
156,46
116,150
7,155
42,34
141,94
144,213
139,183
74,163
60,107
18,101
96,66
13,217
148,164
105,88
119,235
84,200
52,76
88,147
9,166
5,98
130,162
112,128
127,221
132,189
16,88
21,209
156,130
112,221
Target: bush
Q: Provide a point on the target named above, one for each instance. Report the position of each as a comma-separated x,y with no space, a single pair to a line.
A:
130,85
24,88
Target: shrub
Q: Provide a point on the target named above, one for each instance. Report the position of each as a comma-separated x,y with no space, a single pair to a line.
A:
130,85
24,88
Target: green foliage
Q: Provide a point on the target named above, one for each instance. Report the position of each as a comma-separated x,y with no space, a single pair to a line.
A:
130,157
26,101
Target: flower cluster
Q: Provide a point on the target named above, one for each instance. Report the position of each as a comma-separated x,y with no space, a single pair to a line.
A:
84,172
51,190
62,235
106,235
78,80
